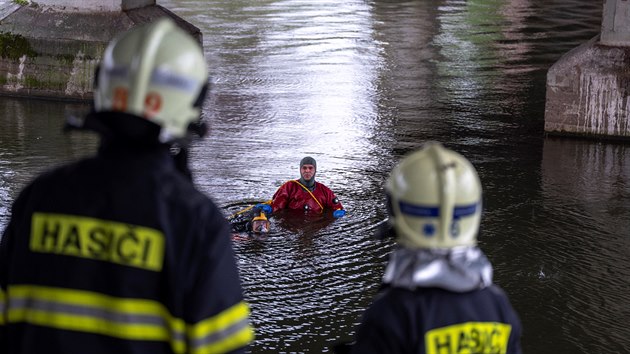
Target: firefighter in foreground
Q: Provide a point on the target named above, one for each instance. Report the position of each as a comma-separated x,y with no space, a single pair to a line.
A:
119,253
437,294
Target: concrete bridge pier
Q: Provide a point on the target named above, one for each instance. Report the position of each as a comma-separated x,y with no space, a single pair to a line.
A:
588,89
50,48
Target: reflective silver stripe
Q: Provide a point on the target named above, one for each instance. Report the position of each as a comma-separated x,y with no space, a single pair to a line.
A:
105,314
165,77
218,336
3,307
120,72
223,332
90,312
126,318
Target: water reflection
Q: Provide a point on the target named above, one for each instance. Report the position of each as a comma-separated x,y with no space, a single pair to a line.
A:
586,187
305,85
31,142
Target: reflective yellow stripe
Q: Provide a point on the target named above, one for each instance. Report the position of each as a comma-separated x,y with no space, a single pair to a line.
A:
238,340
224,332
134,319
3,307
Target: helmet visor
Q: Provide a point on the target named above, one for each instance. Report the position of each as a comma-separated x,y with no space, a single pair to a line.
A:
260,226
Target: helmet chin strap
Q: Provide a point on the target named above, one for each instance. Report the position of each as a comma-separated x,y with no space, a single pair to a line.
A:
198,128
385,230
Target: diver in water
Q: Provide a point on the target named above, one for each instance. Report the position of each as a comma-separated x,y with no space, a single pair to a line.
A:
252,220
305,194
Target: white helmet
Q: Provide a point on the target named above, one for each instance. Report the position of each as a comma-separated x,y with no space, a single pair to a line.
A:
156,71
434,199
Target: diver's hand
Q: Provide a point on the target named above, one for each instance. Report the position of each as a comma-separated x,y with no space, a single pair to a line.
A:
339,213
266,208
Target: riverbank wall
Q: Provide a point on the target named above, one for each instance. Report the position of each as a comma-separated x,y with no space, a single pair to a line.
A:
52,52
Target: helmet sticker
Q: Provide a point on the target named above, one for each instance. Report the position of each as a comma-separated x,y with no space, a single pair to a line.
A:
428,230
161,76
465,210
419,210
118,72
427,211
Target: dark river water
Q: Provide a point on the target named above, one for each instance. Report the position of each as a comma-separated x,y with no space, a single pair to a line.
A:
357,84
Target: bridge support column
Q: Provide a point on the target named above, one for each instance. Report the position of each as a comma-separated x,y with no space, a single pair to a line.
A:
50,48
588,89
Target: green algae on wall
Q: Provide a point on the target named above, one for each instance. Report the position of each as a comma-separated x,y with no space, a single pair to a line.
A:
14,46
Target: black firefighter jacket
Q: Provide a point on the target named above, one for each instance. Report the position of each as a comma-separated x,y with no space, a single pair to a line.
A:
437,321
119,253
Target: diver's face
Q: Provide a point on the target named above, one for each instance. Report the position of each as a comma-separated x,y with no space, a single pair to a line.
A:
307,172
260,226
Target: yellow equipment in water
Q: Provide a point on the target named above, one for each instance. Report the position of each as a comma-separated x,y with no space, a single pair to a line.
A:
260,224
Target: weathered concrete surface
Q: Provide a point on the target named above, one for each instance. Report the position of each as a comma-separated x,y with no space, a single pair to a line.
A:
616,23
95,5
48,53
588,92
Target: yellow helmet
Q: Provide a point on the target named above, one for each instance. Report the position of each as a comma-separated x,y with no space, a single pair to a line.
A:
434,199
155,71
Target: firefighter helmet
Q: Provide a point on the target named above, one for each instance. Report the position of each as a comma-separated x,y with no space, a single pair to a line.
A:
434,199
155,71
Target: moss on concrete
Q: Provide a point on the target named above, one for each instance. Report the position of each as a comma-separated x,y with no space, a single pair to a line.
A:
32,81
52,53
14,46
68,59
